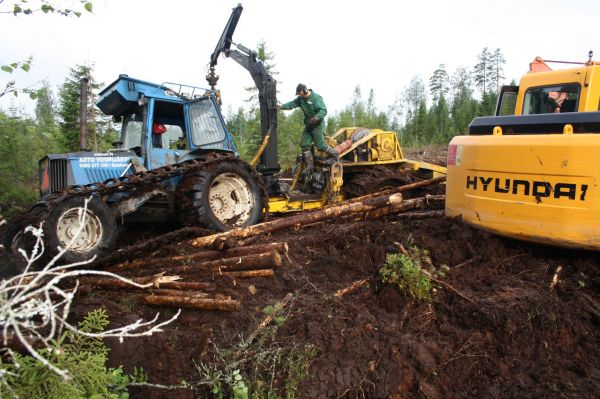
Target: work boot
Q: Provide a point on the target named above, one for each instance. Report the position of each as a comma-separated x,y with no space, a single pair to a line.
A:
308,161
333,154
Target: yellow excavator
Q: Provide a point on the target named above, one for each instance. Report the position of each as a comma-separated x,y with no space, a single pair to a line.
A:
531,171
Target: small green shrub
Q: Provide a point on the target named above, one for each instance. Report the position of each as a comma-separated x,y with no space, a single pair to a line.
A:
84,358
406,274
263,368
277,312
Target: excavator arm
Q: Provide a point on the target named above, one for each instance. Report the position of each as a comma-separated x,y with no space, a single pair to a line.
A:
267,91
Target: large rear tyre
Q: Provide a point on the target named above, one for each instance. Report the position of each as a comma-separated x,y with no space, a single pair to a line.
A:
224,196
84,231
16,238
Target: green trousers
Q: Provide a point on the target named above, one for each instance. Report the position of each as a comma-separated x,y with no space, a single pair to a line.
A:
316,134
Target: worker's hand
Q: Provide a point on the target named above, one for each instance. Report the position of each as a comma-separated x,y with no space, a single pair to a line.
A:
314,120
278,107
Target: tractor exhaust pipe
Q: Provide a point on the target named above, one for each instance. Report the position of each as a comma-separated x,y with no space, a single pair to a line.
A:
83,100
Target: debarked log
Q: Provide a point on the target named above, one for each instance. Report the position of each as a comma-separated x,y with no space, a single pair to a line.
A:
250,273
154,280
187,286
194,303
178,293
407,205
206,255
303,218
265,260
399,189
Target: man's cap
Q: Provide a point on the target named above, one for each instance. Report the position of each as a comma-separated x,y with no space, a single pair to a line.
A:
301,88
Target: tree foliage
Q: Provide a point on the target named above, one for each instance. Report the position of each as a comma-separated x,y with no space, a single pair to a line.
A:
100,131
29,7
84,357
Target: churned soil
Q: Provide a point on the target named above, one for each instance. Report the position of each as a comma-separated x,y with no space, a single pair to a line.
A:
512,320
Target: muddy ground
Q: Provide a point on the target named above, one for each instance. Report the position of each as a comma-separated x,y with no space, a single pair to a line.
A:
511,319
498,327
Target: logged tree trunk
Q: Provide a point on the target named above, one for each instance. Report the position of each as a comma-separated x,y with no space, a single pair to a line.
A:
281,247
265,260
187,286
195,303
116,283
407,205
328,212
421,215
250,273
400,189
178,293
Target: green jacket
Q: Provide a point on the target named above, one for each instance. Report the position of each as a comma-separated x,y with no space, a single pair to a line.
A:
311,106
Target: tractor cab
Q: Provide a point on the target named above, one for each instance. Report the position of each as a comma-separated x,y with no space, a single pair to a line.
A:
167,123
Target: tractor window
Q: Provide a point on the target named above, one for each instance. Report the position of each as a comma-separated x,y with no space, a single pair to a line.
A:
173,138
551,99
205,124
132,131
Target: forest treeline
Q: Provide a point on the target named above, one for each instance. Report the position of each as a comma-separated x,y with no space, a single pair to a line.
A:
425,112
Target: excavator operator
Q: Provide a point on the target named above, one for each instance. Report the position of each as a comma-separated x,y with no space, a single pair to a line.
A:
314,110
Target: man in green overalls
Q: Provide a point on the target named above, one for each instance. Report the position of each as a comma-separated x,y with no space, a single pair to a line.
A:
314,110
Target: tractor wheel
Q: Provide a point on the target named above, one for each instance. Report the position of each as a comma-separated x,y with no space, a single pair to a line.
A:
222,197
85,232
16,238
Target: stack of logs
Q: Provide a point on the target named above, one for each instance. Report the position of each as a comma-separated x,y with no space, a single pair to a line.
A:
227,255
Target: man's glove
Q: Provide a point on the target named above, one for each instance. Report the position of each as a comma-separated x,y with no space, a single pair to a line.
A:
314,120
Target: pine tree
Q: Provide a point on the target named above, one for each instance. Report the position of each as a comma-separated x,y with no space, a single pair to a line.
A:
442,125
497,62
267,58
69,99
414,99
464,107
439,82
482,71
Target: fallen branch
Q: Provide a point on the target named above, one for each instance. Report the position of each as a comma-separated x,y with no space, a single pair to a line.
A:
421,215
267,320
435,280
194,303
447,286
353,287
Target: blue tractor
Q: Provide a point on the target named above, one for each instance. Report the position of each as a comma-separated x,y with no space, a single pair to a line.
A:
175,160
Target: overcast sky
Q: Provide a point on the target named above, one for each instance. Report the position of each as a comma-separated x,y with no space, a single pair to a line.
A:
330,45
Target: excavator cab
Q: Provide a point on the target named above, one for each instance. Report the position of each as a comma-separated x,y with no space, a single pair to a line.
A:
531,171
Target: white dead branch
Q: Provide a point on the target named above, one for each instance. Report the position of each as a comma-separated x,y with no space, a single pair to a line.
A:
34,305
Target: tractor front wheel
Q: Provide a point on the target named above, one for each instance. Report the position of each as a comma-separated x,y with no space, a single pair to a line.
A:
85,230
